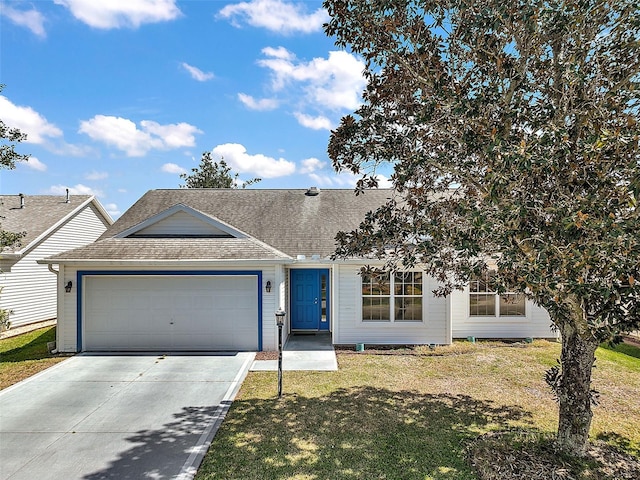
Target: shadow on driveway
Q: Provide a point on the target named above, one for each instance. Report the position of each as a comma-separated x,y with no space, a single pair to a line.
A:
169,444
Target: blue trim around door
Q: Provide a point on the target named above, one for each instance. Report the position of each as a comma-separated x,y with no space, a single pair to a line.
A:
81,273
306,297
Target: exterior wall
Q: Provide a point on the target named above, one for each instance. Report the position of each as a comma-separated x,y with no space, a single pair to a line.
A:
68,317
535,324
29,288
348,327
178,223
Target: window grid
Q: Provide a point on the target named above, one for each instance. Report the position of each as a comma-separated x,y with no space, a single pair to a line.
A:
483,300
376,297
408,297
396,298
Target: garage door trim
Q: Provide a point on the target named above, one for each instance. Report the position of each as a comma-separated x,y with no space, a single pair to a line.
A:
158,273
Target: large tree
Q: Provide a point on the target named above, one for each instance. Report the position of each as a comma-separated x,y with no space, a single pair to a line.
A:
211,174
512,129
9,137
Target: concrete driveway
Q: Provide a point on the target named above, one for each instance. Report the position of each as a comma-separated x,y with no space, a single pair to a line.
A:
117,416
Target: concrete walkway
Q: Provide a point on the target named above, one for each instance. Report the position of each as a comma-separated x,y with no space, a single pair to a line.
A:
306,352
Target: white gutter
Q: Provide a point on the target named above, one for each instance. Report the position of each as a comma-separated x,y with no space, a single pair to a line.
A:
176,263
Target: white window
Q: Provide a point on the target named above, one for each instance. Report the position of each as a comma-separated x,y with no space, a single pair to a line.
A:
392,298
485,302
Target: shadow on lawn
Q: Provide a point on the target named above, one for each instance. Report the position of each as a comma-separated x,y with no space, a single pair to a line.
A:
624,349
36,349
358,433
620,442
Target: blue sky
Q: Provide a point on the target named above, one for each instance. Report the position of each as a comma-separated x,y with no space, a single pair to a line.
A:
118,97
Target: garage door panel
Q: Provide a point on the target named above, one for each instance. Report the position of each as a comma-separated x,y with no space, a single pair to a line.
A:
170,313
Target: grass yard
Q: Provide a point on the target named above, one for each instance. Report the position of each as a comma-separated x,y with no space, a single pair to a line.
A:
25,355
414,414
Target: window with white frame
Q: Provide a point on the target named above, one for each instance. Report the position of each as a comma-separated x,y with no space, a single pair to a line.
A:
484,301
392,298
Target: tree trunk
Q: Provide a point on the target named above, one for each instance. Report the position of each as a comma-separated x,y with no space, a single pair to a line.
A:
574,393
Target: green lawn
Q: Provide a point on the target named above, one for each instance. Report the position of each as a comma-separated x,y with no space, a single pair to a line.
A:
25,355
405,414
409,416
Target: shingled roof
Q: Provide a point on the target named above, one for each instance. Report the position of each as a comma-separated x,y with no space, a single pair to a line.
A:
35,215
292,222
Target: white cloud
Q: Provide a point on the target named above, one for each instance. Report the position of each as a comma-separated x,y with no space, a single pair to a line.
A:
384,182
172,168
31,19
124,135
331,83
96,175
315,123
310,165
28,121
236,156
344,179
121,13
174,135
196,73
279,52
276,15
112,209
262,104
78,189
70,150
35,164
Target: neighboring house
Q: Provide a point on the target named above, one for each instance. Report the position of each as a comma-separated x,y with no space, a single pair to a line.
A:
52,224
206,269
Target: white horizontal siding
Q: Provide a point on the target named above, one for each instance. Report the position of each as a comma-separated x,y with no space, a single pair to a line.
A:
68,319
29,288
180,223
269,307
349,327
535,324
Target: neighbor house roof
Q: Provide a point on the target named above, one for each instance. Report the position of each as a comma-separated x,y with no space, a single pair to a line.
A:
279,224
39,215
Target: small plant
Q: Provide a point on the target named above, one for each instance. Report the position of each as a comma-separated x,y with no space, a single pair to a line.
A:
5,323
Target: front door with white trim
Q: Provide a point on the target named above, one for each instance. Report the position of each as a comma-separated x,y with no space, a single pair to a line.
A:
310,299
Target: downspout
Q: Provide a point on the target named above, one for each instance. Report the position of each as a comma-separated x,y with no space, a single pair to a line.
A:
55,272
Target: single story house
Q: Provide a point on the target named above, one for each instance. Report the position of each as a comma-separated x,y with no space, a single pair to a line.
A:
51,224
206,269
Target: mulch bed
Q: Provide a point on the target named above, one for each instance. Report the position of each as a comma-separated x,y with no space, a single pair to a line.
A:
266,356
496,456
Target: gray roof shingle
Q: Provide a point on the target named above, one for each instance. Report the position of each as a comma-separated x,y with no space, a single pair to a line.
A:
281,224
131,249
40,213
289,220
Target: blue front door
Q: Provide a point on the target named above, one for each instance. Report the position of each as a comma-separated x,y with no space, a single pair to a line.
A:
310,299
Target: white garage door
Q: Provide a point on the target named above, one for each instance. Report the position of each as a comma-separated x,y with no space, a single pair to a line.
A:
170,313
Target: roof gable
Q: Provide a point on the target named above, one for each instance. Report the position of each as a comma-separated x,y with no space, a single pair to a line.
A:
181,221
38,216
